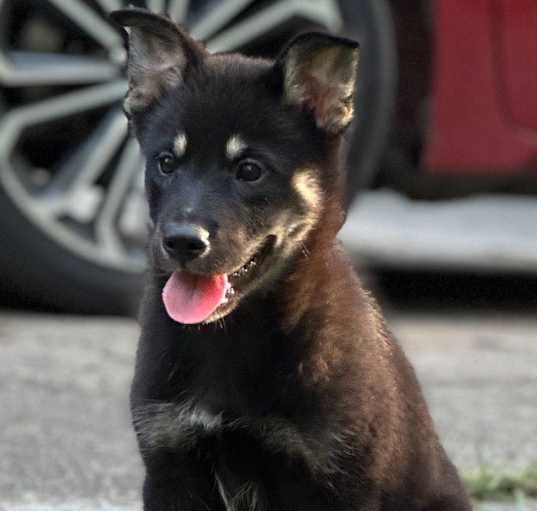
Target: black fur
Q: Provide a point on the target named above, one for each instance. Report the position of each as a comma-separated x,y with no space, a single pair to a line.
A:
297,398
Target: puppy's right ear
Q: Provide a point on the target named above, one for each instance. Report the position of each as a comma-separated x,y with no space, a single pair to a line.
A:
159,53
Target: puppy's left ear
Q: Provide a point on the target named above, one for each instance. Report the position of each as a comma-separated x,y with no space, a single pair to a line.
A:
319,74
159,54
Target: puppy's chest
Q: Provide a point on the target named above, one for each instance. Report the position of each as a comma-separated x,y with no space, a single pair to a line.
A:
257,405
243,402
255,439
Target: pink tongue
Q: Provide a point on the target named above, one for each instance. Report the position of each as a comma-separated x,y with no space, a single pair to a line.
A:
192,298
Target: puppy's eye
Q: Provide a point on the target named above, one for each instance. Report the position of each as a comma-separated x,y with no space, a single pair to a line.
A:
167,163
249,170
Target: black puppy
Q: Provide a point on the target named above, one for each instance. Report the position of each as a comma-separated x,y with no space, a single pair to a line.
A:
265,377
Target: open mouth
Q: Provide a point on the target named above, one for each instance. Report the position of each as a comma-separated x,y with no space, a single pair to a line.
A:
190,299
248,271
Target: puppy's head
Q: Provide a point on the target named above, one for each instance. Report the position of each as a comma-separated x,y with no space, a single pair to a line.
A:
241,156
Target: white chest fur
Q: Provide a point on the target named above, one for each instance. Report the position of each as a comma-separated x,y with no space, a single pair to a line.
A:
173,425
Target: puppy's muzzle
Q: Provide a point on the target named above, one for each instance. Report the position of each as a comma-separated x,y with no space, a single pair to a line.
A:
185,242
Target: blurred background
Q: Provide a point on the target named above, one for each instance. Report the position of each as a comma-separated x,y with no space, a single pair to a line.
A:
442,184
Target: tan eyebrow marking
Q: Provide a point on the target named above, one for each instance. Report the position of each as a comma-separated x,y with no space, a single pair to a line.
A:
235,146
179,145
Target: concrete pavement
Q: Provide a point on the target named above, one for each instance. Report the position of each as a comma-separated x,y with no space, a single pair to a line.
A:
480,377
67,443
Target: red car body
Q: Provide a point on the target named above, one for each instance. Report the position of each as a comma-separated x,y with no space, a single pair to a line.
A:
483,117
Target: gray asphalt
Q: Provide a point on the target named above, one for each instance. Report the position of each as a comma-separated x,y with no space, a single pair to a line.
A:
67,444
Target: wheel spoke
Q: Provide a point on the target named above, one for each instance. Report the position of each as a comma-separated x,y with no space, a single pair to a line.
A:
217,18
60,106
324,12
88,20
178,9
110,5
128,169
155,5
134,215
85,165
20,69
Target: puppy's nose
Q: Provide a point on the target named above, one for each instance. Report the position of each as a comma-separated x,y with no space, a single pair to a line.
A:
185,242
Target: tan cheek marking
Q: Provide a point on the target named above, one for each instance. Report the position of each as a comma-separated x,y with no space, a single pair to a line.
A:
179,145
308,187
235,146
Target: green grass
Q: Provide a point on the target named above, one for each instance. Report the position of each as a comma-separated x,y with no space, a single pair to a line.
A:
488,484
